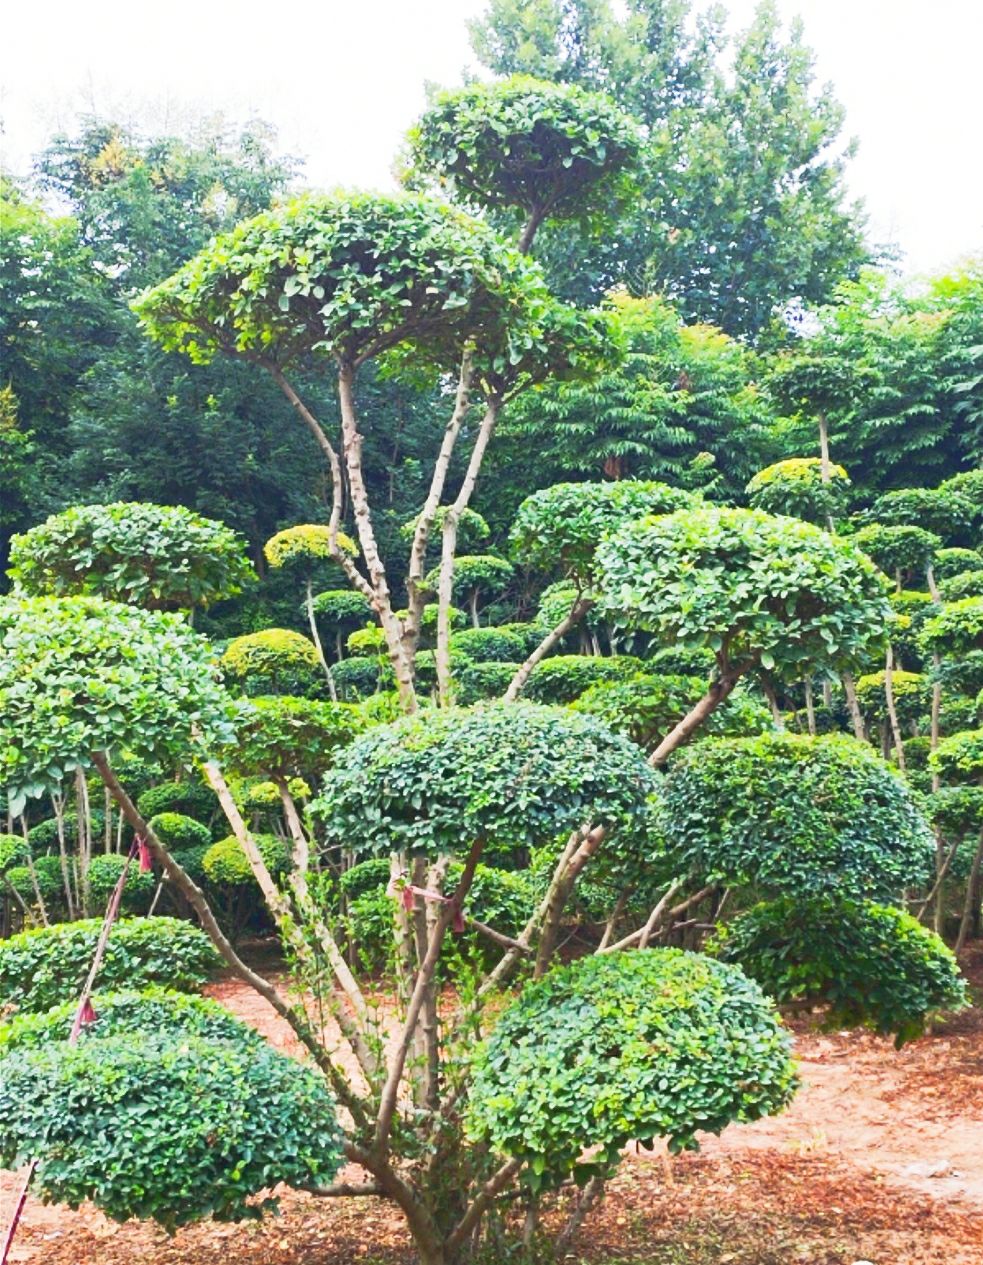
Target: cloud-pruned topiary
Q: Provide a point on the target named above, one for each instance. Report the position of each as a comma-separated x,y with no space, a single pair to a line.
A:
562,678
615,1048
161,557
898,550
786,813
304,545
871,965
797,487
514,775
225,864
177,831
80,675
273,661
173,1126
284,737
956,629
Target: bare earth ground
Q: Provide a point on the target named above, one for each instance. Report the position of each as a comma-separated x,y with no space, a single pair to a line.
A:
879,1159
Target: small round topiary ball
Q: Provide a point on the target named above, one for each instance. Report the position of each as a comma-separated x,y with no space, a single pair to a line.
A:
656,1043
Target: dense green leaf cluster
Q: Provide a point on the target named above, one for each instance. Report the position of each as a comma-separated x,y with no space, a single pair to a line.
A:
273,661
102,876
225,864
955,629
797,487
42,967
959,758
562,678
487,645
80,675
284,737
629,1046
304,545
908,550
177,831
754,588
786,813
191,798
871,965
172,1126
160,557
513,775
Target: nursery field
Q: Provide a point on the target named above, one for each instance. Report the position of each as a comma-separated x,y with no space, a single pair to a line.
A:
879,1158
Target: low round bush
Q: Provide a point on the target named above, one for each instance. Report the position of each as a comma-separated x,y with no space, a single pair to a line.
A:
944,511
225,863
796,486
965,584
871,965
564,677
511,774
305,545
477,682
357,678
366,876
488,645
14,851
44,836
45,966
957,810
171,1127
190,799
274,661
370,640
104,872
905,550
953,562
957,628
177,831
50,881
613,1048
959,758
792,814
912,695
150,1011
287,737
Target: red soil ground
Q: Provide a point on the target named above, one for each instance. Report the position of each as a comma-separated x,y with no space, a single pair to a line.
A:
879,1159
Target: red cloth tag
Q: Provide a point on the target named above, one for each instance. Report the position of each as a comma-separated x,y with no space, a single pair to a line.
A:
88,1014
143,852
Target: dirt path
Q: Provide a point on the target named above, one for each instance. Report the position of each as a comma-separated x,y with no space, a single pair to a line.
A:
879,1159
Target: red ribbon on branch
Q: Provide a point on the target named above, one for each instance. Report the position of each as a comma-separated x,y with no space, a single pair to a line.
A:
408,892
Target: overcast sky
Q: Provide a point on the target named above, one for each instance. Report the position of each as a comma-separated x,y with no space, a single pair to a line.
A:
342,79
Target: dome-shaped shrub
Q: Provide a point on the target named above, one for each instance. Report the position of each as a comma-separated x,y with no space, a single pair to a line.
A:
274,661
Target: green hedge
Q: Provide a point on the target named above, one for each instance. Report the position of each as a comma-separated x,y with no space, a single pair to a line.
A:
46,966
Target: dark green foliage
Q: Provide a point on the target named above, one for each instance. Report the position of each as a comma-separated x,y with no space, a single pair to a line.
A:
357,678
628,1046
173,1127
959,758
189,798
44,836
225,863
477,682
50,881
103,875
178,832
786,813
871,965
161,557
42,967
487,645
957,809
564,677
943,512
905,550
153,1010
952,562
366,876
965,584
754,588
796,487
14,850
512,775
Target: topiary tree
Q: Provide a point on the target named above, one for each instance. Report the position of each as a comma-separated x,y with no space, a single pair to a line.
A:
868,965
803,488
956,629
912,693
902,552
104,872
274,661
477,576
956,561
786,813
964,584
177,831
564,677
341,611
758,591
959,760
487,645
370,640
944,512
546,150
161,557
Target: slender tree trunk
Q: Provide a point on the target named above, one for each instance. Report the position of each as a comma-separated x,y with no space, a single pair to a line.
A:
810,708
574,616
892,710
718,693
853,706
316,638
473,608
971,904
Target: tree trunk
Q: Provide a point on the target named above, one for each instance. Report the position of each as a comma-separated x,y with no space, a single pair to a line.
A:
810,708
718,693
576,613
971,904
892,710
856,716
315,637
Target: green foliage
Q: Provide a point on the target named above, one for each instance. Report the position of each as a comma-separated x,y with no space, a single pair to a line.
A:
370,640
478,682
871,965
80,675
41,967
44,836
513,775
953,562
14,851
957,809
550,150
965,584
786,813
177,831
172,1126
627,1046
472,528
103,875
944,513
291,280
559,529
150,1011
796,487
190,798
357,678
959,758
909,550
487,645
956,629
755,589
50,881
337,608
646,706
304,546
225,863
274,661
160,557
284,737
564,677
912,695
476,573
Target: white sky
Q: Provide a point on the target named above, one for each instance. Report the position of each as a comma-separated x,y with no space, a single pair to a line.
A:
342,79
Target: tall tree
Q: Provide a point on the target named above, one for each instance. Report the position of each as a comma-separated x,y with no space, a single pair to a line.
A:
743,201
